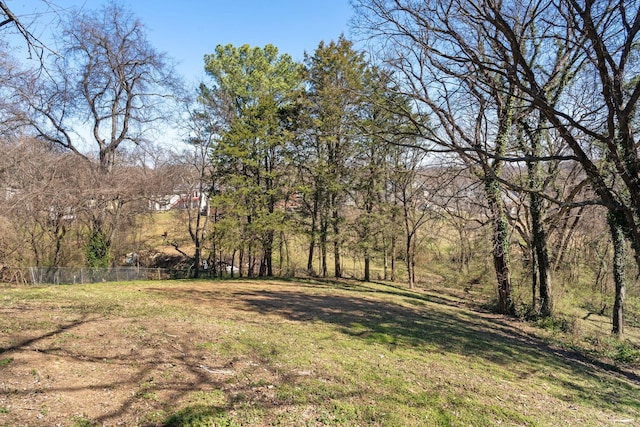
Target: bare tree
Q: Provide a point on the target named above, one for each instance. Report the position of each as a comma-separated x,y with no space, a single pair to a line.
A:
42,200
603,34
572,61
11,114
53,201
473,109
109,76
195,180
596,110
33,44
411,189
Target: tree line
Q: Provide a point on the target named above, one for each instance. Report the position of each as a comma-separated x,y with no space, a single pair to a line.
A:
466,116
540,83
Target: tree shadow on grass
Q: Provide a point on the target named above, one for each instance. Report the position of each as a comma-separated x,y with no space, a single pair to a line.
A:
144,374
436,324
25,343
140,370
431,323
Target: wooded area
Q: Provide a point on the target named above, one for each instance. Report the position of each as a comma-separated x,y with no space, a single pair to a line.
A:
471,131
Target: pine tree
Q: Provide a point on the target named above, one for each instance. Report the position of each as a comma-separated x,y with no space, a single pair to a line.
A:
254,90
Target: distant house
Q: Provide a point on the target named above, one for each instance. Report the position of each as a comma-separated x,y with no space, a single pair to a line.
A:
171,202
64,214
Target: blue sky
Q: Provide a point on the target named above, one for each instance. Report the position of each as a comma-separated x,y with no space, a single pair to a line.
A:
188,29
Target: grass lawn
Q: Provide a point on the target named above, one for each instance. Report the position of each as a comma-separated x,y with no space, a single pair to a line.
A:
288,353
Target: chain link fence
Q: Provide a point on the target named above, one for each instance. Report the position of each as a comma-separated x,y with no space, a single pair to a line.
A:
82,275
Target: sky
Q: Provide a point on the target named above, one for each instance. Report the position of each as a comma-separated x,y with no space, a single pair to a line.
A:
186,30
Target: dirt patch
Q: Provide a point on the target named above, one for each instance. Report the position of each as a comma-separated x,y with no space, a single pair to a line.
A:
60,368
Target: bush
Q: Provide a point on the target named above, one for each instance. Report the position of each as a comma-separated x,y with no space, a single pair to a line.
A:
97,250
626,353
555,324
199,416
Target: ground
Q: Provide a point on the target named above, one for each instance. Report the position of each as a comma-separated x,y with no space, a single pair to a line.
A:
284,353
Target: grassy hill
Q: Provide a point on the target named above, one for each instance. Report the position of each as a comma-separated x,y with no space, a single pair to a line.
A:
258,353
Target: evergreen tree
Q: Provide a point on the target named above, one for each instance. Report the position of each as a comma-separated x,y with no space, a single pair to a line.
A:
254,89
336,78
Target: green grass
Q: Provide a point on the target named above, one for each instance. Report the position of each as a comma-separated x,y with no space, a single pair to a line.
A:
82,421
293,353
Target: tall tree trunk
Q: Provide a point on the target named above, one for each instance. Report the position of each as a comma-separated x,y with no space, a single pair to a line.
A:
196,259
542,256
385,261
409,232
465,249
393,258
314,230
394,239
212,256
500,246
285,257
281,255
616,222
312,245
366,239
312,237
59,233
195,233
534,278
233,260
266,264
323,248
251,262
336,244
540,261
336,260
367,262
409,260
